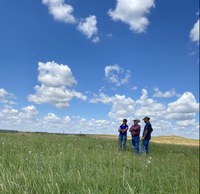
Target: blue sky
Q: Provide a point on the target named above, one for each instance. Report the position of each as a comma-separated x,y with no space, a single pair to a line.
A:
71,65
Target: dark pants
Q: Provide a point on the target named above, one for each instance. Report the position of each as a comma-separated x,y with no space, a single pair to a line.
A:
135,143
145,146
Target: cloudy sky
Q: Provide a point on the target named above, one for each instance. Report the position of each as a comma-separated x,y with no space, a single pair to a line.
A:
74,66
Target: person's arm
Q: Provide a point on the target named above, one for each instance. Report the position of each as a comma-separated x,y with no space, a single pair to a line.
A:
145,134
131,129
125,130
120,130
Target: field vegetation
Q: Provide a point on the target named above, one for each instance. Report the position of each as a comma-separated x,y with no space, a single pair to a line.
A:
78,164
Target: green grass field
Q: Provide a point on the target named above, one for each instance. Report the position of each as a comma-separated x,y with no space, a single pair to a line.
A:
48,163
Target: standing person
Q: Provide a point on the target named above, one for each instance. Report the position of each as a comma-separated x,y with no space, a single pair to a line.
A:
146,135
135,132
123,135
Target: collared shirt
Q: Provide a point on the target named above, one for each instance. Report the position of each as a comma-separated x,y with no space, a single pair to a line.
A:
135,129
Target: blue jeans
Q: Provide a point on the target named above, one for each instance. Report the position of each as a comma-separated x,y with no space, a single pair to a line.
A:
122,142
145,146
135,143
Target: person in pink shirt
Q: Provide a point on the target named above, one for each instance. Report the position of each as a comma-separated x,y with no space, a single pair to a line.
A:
135,133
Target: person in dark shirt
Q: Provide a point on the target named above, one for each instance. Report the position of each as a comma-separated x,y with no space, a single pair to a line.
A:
122,135
146,135
135,133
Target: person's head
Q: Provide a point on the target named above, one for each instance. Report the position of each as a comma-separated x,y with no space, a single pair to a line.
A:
124,121
146,119
136,121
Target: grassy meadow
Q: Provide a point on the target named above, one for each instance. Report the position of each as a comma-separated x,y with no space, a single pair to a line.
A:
49,163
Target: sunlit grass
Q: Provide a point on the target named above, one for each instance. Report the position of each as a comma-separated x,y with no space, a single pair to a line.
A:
44,163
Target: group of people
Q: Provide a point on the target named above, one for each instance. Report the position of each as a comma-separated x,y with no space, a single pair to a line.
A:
135,133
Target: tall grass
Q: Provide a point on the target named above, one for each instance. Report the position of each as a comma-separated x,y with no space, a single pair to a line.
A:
44,163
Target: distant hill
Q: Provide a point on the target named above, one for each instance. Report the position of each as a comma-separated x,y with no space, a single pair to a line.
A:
164,139
175,140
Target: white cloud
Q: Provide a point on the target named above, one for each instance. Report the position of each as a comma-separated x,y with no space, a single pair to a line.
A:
57,96
5,97
30,111
11,113
3,93
183,109
12,117
64,13
133,13
148,106
134,88
88,27
185,104
178,117
165,121
167,94
51,117
60,11
117,75
66,120
53,90
52,74
194,33
95,39
122,107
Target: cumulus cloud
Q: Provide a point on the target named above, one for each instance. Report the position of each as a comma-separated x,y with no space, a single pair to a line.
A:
117,75
148,106
167,94
52,74
184,109
122,107
51,117
133,13
194,33
95,39
60,11
30,111
176,118
64,13
6,97
55,81
88,27
186,123
3,93
179,117
10,114
11,117
185,104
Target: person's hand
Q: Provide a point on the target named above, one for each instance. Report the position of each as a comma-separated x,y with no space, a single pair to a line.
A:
142,138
